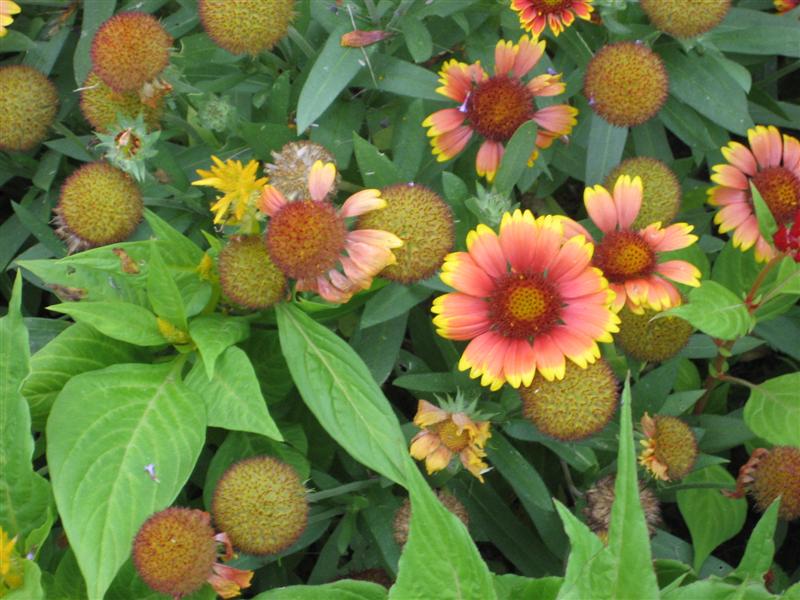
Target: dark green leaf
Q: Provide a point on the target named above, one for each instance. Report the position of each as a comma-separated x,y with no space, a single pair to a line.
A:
606,144
376,169
515,159
760,549
392,301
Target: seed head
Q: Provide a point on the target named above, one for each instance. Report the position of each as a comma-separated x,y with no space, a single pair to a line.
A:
649,339
246,26
402,518
685,18
661,199
670,447
247,274
28,103
778,474
292,165
103,107
600,501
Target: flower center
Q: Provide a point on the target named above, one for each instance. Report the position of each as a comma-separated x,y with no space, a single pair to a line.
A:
306,238
624,255
524,305
448,433
498,106
780,189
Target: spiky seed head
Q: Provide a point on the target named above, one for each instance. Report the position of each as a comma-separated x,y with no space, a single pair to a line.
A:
28,105
661,199
575,407
292,165
246,26
129,50
685,18
778,474
174,551
247,274
261,504
651,339
670,447
402,518
102,106
626,83
600,500
99,205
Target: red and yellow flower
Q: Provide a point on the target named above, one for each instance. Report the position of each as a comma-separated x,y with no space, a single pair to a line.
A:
630,258
527,299
772,165
7,8
446,433
493,107
308,239
784,6
558,14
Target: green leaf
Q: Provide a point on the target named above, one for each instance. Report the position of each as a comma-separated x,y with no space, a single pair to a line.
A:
766,221
773,410
417,37
332,71
684,122
376,169
410,144
31,584
396,76
214,333
715,588
711,517
514,587
232,396
760,549
581,580
119,320
515,159
340,391
163,293
105,429
78,349
392,301
715,310
347,589
604,152
756,32
379,345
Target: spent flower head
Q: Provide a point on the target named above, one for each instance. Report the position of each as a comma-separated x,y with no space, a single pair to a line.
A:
128,145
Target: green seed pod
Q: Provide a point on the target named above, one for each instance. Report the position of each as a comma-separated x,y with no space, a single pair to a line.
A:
247,274
648,339
28,104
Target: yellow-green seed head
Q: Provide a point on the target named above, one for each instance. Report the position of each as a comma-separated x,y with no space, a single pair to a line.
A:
102,106
778,474
99,205
261,504
247,274
402,517
246,26
575,407
661,200
648,339
129,50
685,18
291,166
419,217
175,550
670,447
626,83
28,104
600,500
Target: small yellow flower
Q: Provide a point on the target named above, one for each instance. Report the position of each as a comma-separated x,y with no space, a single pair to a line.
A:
239,184
10,562
7,8
445,434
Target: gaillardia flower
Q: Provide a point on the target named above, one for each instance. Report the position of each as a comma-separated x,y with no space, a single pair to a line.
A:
7,8
685,18
402,518
527,299
176,550
670,447
495,106
630,259
558,14
447,432
783,6
772,165
240,187
310,242
769,474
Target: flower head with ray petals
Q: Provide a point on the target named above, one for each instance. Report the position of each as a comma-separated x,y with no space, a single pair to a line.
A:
449,431
629,258
784,6
7,8
493,107
239,185
527,299
534,15
310,242
772,165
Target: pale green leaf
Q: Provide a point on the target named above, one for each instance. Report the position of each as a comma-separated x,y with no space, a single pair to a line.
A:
376,168
163,293
773,410
214,333
138,326
346,589
715,310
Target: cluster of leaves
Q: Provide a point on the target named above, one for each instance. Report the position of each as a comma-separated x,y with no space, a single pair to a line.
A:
89,403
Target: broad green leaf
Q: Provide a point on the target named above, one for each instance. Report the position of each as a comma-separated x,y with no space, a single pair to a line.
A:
163,293
24,495
379,345
604,152
336,127
515,159
410,144
376,169
773,410
417,37
232,396
427,382
264,349
756,32
177,249
715,310
105,430
734,269
760,549
715,588
347,589
392,301
119,320
332,71
581,580
766,220
397,76
77,349
214,333
514,587
685,123
340,391
711,517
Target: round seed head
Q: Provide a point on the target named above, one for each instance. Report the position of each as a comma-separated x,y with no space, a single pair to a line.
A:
600,500
402,518
246,26
102,106
685,18
292,165
661,199
28,104
778,474
247,274
670,447
648,339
